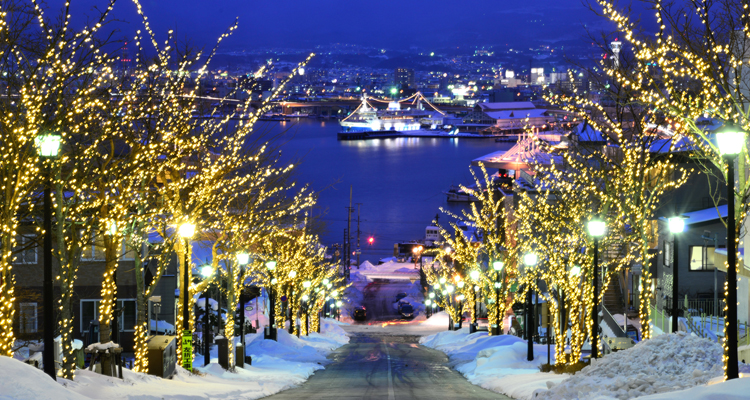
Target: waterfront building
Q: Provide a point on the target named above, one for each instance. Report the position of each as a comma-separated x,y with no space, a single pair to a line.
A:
404,78
507,116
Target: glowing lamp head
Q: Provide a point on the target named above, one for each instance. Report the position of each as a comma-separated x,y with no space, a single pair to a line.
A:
329,285
271,265
335,293
292,274
730,139
498,265
450,288
48,145
432,295
325,282
371,240
427,302
394,90
597,228
676,224
243,258
575,271
305,297
461,284
207,270
306,284
443,280
186,230
460,297
530,259
274,281
301,70
474,275
338,303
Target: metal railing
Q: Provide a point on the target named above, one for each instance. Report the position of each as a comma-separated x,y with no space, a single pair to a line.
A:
696,307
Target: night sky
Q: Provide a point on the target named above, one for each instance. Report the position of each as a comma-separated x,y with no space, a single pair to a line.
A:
397,24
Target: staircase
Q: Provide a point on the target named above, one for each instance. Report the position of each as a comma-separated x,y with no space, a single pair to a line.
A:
613,300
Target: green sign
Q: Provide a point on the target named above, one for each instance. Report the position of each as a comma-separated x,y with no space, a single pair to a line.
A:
514,287
187,350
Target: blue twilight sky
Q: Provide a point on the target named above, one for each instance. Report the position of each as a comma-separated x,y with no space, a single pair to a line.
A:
379,23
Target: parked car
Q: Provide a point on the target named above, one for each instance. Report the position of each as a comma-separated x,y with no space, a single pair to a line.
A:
360,313
406,310
400,296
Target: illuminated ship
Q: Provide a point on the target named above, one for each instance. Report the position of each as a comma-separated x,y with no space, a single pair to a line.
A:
367,118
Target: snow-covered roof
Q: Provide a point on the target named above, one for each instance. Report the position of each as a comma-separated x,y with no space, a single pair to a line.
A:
585,133
665,145
511,105
705,215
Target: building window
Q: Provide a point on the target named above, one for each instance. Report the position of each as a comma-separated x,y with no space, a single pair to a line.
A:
126,309
93,248
27,318
25,250
702,258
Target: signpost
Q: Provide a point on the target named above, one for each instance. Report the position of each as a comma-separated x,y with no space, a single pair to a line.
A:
187,350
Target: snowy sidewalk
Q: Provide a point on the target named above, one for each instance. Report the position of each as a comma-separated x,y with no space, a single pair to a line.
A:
276,366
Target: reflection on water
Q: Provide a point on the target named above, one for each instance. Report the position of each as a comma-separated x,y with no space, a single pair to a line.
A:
399,181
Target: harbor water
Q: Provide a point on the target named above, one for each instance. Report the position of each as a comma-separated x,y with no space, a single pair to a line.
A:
399,182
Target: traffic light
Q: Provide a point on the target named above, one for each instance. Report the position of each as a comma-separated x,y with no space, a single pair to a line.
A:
371,240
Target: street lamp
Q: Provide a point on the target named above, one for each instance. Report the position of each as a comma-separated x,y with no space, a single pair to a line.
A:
243,259
271,266
731,142
498,267
530,260
48,147
596,229
676,226
206,272
474,275
186,231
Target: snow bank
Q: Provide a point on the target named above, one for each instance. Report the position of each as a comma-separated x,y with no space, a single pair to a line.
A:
276,366
366,265
736,389
663,364
496,363
22,381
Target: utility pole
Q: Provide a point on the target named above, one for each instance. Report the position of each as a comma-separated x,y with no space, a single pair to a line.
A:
359,249
348,238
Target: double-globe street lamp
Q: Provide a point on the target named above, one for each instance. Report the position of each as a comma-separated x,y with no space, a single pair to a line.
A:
498,267
186,231
596,228
676,226
731,142
530,260
48,147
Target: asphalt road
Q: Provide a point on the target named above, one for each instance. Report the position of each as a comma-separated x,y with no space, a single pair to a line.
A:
379,296
388,367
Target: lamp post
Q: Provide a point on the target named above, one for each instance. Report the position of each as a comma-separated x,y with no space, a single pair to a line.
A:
596,230
474,275
530,260
305,298
498,267
449,295
676,225
731,142
243,259
186,231
48,147
271,266
206,272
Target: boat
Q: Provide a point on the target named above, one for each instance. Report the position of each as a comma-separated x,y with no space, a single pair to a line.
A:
368,118
297,114
274,117
458,195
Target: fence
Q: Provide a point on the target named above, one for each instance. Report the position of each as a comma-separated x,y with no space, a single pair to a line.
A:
696,307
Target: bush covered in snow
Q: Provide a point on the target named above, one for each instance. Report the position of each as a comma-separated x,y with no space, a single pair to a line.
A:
663,364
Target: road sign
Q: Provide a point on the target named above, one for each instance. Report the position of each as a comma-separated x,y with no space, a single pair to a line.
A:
283,299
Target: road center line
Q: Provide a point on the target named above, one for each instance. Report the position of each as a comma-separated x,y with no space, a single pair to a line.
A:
391,394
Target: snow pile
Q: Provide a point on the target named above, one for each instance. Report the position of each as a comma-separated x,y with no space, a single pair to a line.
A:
311,349
366,265
496,363
663,364
102,346
22,381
